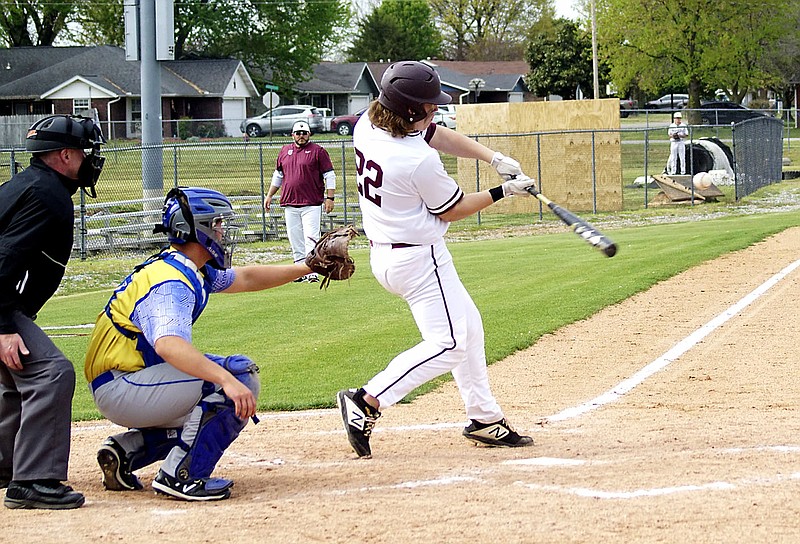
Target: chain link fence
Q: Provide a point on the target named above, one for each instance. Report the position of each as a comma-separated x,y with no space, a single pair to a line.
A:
121,219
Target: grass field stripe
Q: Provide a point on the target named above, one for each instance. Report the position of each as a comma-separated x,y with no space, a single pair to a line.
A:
673,353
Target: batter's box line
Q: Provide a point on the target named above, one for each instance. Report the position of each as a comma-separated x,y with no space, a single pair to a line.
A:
627,385
661,491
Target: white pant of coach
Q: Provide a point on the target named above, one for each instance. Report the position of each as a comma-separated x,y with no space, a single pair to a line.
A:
302,228
450,324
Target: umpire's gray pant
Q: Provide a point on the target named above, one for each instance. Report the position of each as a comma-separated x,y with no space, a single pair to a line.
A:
36,408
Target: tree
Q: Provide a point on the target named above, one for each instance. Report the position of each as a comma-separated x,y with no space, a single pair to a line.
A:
397,29
470,25
279,42
783,60
47,18
560,57
688,44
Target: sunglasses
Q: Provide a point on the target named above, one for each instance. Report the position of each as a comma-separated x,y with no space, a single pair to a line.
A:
302,132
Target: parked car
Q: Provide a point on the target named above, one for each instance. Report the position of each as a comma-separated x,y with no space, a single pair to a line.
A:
343,124
327,117
625,105
723,112
446,116
668,102
282,119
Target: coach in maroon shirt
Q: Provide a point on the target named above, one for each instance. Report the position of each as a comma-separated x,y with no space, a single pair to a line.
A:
304,174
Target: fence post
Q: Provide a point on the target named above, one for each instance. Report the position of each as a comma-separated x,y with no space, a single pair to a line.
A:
477,183
263,192
83,231
594,176
691,163
734,166
344,183
175,166
539,171
646,174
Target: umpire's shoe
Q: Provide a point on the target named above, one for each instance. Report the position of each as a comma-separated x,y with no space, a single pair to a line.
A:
113,461
42,494
358,418
499,433
201,489
5,477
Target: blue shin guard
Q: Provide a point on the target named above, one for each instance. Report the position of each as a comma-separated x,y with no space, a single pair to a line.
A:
213,425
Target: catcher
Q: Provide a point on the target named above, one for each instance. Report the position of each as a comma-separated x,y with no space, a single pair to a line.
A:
180,405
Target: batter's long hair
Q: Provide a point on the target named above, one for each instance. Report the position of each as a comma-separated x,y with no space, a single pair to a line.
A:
383,117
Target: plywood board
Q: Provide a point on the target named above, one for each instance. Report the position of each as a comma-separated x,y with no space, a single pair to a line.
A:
534,134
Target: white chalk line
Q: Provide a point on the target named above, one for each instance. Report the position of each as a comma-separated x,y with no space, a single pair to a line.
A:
673,353
662,491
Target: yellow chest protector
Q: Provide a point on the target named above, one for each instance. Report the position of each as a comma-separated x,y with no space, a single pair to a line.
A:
118,344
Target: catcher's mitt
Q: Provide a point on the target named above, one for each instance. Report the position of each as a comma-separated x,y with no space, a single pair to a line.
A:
330,257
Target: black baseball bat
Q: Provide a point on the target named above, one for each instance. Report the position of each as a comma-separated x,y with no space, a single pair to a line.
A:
581,227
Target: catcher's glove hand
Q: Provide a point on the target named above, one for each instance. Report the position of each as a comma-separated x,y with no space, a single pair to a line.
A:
330,257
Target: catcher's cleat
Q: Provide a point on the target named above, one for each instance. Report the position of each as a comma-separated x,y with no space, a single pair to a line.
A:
201,489
358,418
312,278
499,433
117,475
42,495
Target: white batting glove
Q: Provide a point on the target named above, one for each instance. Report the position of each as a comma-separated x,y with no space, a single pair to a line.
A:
506,166
517,185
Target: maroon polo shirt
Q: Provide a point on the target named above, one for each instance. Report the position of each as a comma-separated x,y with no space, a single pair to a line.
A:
302,169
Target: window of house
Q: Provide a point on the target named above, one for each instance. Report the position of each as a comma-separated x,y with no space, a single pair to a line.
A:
81,106
135,126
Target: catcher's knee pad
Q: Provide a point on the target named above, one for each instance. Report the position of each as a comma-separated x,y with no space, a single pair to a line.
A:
241,366
213,424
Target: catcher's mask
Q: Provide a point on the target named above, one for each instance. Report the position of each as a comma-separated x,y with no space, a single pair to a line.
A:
407,85
193,214
70,132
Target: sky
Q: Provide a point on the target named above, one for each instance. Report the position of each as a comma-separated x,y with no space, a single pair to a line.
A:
564,9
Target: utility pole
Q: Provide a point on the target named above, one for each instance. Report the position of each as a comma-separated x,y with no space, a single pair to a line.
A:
150,38
594,53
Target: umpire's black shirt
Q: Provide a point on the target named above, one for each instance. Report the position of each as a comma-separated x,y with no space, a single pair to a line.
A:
36,221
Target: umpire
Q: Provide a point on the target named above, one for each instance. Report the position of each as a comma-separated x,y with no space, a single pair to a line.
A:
36,380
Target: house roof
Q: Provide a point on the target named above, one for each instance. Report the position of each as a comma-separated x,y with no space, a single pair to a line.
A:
105,66
338,78
498,76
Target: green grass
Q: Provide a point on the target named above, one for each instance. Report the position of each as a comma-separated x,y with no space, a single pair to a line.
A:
310,343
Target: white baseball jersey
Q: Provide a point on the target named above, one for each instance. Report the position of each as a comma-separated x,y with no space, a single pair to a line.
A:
678,130
402,186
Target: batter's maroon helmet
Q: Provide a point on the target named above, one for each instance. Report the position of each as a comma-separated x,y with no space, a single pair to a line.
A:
407,85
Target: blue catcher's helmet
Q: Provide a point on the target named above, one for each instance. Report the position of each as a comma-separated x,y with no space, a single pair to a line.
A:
194,214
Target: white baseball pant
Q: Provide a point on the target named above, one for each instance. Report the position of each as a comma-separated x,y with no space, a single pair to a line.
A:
450,324
302,228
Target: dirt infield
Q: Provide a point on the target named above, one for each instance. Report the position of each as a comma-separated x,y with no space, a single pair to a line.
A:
670,417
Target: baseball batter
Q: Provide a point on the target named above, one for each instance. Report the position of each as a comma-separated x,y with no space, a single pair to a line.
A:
408,201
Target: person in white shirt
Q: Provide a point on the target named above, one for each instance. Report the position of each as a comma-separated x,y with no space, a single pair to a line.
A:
407,201
678,133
